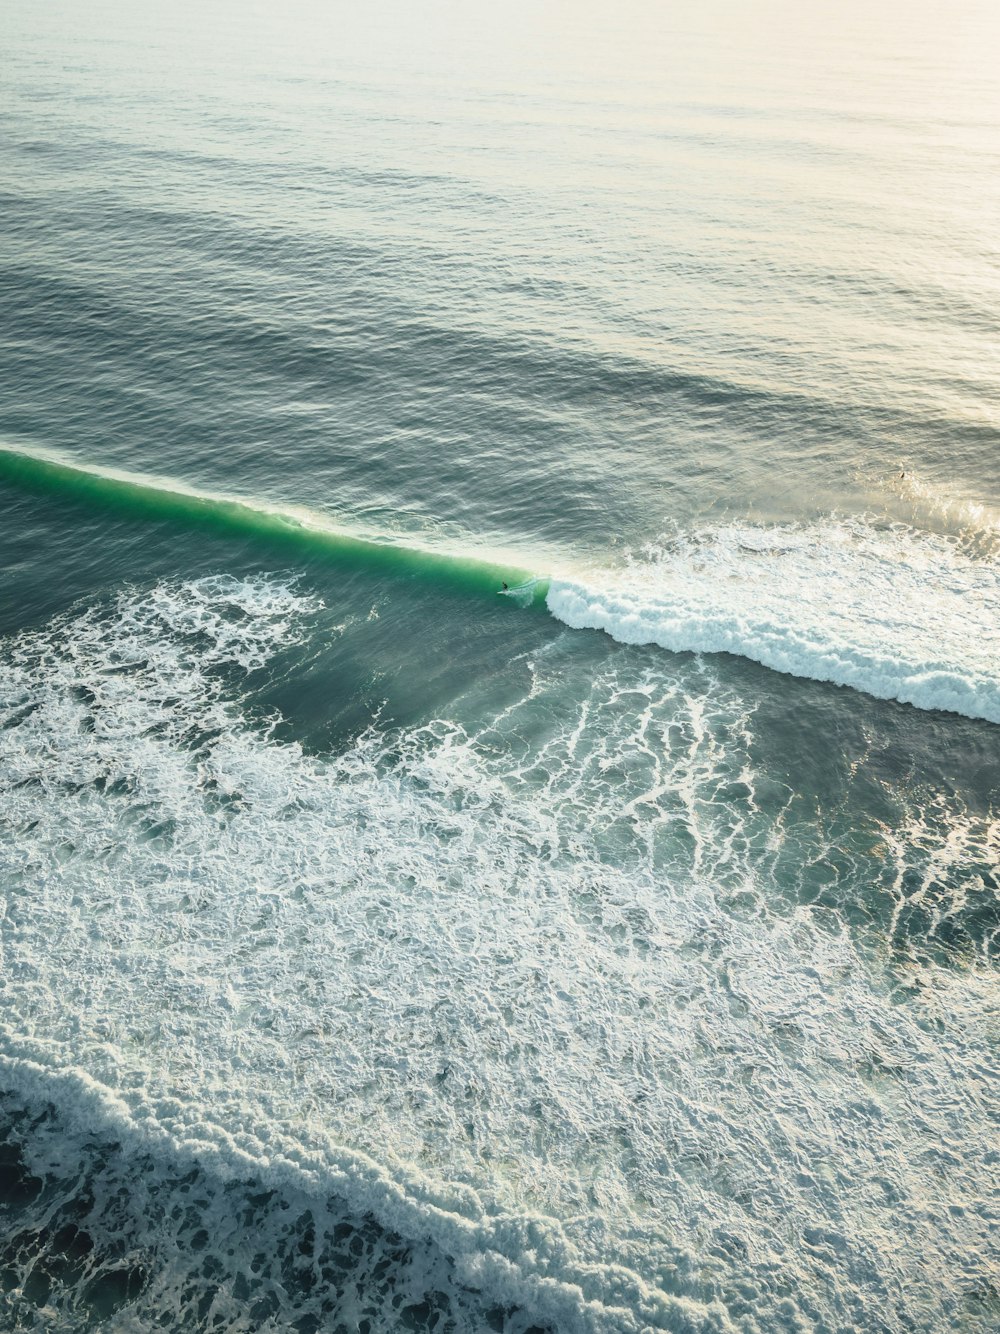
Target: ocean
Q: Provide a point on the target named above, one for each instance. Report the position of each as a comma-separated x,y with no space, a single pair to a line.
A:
500,667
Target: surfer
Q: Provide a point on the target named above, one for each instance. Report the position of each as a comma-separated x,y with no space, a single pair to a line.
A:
505,589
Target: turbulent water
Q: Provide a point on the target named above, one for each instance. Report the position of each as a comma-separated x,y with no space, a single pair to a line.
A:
500,675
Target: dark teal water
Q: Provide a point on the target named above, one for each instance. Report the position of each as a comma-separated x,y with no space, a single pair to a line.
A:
383,948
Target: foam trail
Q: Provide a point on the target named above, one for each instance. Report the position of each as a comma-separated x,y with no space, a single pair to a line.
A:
302,531
149,669
896,614
521,1030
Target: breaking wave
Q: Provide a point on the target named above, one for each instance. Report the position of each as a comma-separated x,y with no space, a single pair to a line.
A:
896,614
887,610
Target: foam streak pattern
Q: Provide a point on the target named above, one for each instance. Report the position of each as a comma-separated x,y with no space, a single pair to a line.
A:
575,1063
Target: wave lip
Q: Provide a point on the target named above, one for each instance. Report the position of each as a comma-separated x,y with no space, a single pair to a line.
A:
892,612
896,614
295,529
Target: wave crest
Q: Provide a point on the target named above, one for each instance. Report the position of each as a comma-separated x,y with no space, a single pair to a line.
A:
893,613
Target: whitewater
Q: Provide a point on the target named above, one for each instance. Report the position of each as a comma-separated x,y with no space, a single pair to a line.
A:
898,614
437,1004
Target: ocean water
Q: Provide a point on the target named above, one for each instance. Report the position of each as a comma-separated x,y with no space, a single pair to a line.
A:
500,667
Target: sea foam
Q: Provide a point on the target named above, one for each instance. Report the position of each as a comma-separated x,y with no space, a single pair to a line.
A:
519,1029
181,883
896,614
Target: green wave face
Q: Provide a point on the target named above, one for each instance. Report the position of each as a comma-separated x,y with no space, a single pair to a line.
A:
311,536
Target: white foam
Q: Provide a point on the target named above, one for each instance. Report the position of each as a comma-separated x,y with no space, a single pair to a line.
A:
528,996
890,612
